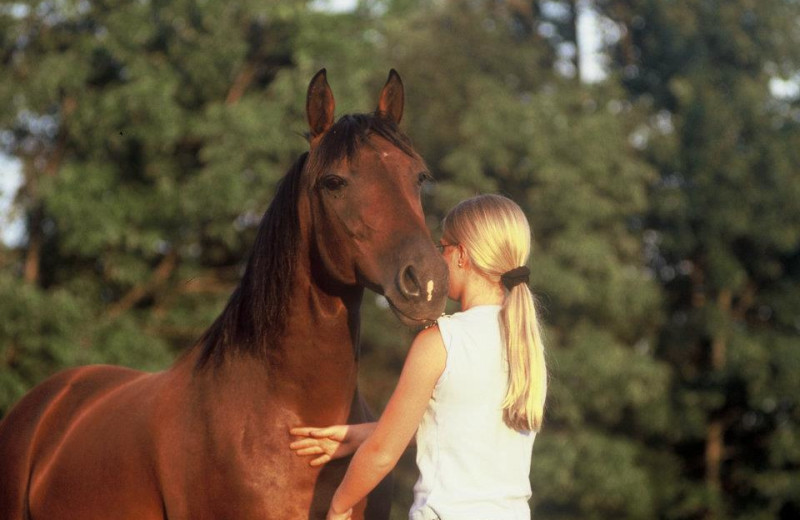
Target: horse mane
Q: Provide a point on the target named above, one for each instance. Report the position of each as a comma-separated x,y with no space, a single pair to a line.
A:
254,318
256,311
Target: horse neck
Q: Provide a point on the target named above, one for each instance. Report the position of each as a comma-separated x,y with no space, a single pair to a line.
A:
310,368
309,374
313,367
315,364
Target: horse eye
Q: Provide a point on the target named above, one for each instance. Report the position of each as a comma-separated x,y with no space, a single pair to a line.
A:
423,177
333,183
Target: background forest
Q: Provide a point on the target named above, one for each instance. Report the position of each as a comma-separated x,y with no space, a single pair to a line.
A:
664,195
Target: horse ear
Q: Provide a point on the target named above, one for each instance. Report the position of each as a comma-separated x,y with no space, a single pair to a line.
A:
392,98
319,104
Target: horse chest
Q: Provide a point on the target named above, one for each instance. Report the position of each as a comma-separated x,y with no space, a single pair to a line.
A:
240,466
275,486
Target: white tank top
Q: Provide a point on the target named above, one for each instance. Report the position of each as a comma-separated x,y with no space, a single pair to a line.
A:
472,466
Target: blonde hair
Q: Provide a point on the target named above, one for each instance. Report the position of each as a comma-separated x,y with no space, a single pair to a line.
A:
497,238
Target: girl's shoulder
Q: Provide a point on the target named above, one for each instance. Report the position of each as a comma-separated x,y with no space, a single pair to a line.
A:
472,315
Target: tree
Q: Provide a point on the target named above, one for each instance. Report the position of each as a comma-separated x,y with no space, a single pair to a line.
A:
723,224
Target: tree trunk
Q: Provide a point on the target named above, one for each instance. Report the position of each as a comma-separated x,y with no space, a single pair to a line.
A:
715,434
34,251
161,273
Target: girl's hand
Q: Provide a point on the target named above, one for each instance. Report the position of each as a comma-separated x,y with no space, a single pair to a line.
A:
328,443
347,515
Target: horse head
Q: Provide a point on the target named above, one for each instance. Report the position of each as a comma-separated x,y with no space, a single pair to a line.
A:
364,183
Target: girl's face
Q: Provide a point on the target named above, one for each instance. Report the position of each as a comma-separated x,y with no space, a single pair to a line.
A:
452,256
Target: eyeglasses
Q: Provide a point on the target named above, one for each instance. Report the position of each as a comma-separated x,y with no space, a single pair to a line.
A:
442,247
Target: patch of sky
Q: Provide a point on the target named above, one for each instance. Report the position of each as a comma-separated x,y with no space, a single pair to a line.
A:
12,228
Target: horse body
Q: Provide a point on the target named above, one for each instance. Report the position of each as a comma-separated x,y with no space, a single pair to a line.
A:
208,438
89,449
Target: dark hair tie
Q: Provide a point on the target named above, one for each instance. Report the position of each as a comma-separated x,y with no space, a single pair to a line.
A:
515,277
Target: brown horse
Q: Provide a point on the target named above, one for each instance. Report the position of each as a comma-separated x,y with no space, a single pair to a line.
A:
208,438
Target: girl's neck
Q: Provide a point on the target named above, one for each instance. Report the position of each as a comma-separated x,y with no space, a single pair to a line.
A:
478,290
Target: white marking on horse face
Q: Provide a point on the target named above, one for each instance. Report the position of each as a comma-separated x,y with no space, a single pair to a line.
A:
385,154
430,290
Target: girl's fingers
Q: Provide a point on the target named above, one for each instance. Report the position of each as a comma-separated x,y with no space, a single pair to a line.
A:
302,431
319,461
334,432
319,433
337,432
314,450
304,443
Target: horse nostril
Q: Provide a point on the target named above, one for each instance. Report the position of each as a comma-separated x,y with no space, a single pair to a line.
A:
409,283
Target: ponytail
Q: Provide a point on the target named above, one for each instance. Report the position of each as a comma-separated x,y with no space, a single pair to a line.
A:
523,406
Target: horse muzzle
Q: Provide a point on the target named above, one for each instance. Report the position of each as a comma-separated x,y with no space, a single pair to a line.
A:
419,292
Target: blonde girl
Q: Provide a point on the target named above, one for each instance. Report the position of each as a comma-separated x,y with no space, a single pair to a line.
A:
472,388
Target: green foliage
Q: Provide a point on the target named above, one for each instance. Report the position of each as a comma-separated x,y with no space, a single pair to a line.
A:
36,336
596,475
724,221
664,201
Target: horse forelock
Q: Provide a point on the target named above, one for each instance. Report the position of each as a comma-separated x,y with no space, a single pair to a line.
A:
345,138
